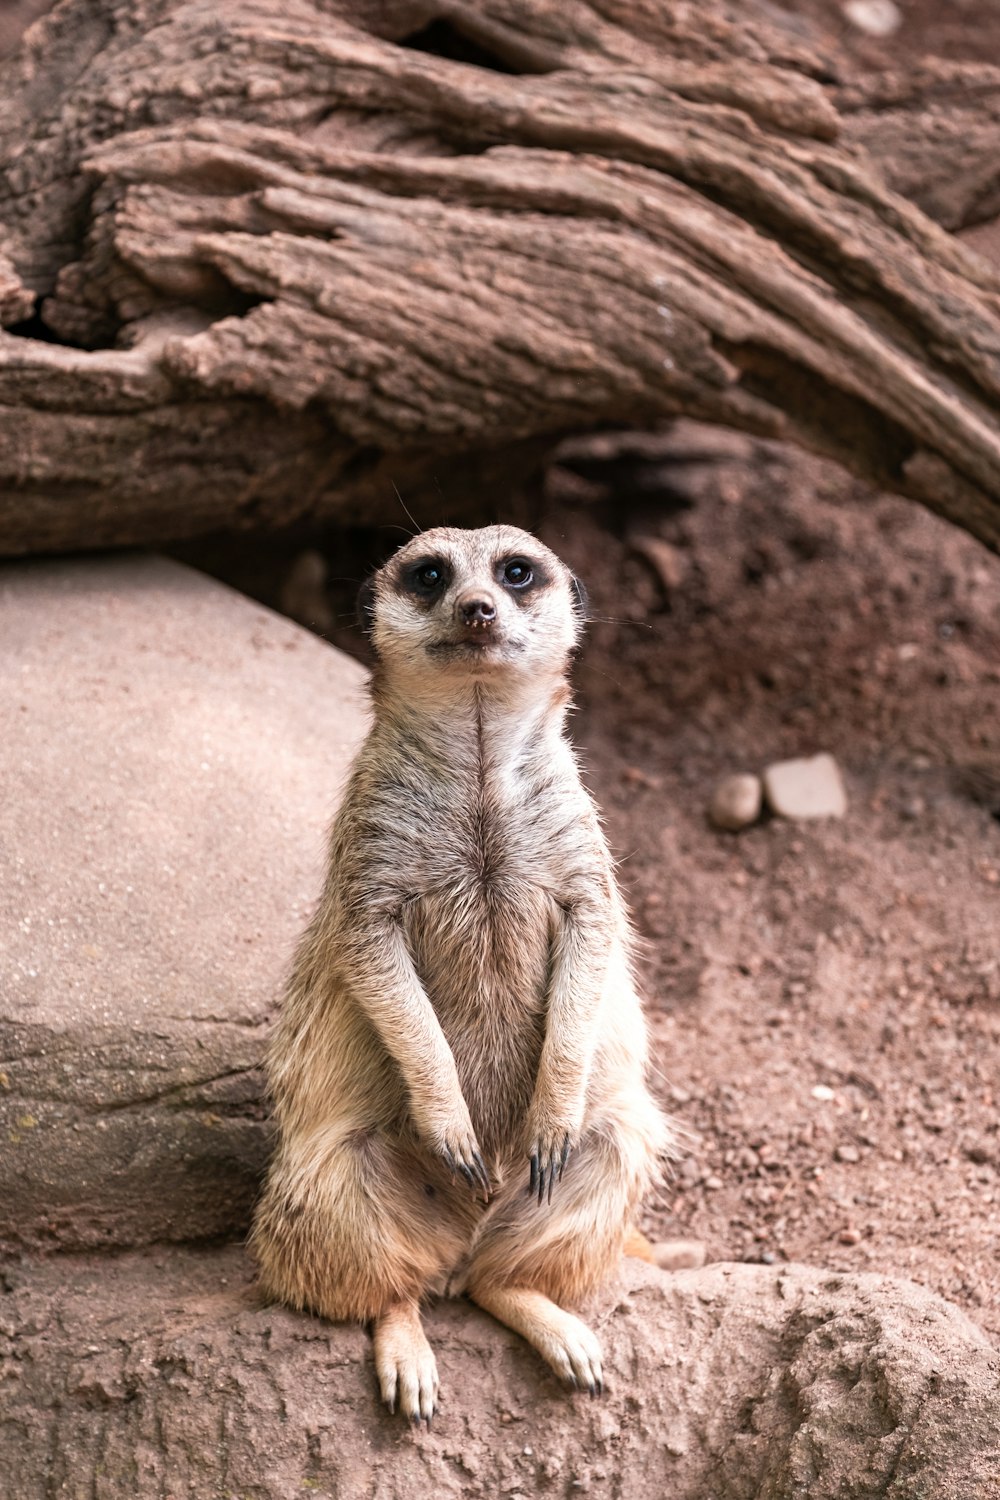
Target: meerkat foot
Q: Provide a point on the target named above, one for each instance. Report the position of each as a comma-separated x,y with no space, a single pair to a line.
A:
404,1361
563,1341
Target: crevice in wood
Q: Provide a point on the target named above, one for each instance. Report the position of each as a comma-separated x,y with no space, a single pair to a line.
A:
447,38
832,421
35,327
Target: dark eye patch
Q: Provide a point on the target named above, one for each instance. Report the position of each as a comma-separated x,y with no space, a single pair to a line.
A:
427,577
520,574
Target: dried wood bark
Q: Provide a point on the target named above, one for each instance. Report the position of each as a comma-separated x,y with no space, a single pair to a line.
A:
258,260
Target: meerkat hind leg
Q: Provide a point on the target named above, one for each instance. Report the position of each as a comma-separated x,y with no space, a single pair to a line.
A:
563,1341
404,1361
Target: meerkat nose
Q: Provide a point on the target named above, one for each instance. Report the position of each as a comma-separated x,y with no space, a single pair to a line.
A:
477,611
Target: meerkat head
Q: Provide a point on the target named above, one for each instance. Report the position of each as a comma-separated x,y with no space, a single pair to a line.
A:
491,603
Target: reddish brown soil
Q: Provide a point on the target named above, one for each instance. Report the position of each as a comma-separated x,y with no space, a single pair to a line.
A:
860,956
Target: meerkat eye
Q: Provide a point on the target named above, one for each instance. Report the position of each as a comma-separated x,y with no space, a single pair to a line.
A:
427,577
517,573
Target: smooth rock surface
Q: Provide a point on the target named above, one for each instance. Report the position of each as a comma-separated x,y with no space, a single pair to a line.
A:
153,1374
736,803
172,753
803,789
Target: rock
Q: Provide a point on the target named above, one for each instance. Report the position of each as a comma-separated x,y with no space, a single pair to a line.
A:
171,756
155,1374
847,1154
802,789
735,803
874,17
679,1255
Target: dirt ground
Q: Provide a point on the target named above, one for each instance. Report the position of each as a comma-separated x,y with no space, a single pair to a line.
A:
825,997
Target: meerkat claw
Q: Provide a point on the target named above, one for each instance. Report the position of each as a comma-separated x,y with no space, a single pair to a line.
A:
548,1163
485,1174
482,1175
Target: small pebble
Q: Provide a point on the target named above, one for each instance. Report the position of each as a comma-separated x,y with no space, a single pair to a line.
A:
874,17
822,1091
847,1153
850,1236
713,1184
809,788
736,803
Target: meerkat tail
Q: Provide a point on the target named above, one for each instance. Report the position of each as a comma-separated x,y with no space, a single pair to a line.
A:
563,1341
404,1361
638,1247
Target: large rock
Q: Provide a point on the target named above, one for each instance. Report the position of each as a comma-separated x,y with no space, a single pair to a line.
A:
171,756
153,1374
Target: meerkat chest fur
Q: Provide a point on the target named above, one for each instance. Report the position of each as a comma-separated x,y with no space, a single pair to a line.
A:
487,814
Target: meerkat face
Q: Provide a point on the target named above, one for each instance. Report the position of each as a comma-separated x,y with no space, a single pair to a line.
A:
475,603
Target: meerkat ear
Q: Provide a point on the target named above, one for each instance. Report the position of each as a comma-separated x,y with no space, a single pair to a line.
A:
366,604
581,600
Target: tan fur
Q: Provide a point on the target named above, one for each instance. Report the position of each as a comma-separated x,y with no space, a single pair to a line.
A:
463,994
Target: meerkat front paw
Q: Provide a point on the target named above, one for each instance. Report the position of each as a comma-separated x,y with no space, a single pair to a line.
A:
547,1163
551,1136
452,1138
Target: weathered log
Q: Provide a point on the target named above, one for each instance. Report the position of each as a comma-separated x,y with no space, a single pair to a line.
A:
281,255
935,132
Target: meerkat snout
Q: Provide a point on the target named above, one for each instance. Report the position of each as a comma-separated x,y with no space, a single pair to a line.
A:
476,610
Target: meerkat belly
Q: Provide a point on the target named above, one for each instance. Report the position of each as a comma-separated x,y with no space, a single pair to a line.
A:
482,950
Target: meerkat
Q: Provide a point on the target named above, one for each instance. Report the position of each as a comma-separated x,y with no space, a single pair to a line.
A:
459,1069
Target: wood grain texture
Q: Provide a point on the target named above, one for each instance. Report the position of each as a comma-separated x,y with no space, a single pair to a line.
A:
259,260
